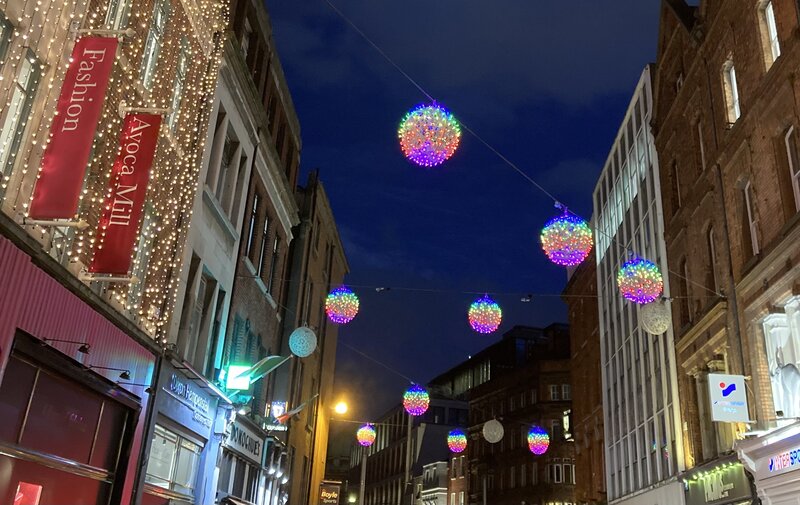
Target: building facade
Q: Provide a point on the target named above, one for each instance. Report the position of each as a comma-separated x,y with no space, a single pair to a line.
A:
102,129
726,123
642,421
587,396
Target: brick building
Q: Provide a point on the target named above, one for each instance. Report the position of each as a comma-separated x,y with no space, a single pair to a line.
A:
580,295
726,125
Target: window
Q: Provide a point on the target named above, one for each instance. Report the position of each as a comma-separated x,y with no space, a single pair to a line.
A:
769,30
461,498
177,86
752,221
554,392
731,92
555,429
452,499
685,301
701,148
566,392
534,396
173,461
523,475
247,35
712,259
554,474
273,266
142,259
117,14
676,187
18,110
790,141
264,241
512,478
230,155
251,227
569,473
6,32
152,46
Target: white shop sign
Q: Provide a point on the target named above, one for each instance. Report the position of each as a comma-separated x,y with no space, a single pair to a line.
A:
728,398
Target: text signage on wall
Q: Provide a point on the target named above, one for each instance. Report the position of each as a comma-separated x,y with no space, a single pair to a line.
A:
723,484
122,211
186,403
245,441
72,130
728,398
329,494
781,462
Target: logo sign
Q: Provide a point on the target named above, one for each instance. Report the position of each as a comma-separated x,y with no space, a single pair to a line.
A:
72,131
728,398
246,441
723,484
27,494
329,494
276,410
122,211
784,462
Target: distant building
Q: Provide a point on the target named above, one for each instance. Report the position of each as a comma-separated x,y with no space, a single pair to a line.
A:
580,295
643,431
430,488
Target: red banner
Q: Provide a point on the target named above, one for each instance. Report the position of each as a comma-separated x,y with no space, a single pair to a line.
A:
122,210
72,132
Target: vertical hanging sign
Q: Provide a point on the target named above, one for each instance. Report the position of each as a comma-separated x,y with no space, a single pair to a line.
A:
122,210
72,132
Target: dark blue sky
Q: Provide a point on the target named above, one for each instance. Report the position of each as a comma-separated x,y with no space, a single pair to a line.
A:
546,83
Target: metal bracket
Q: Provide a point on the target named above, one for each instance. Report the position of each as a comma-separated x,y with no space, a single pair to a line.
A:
123,109
80,224
127,32
128,279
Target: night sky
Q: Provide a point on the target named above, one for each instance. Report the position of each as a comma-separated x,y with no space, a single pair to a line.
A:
546,83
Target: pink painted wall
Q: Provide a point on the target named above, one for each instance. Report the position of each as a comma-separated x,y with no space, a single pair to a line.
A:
34,302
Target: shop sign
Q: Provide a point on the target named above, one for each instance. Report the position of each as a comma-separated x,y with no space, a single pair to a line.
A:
27,494
329,494
720,485
245,441
276,410
122,210
783,462
728,398
72,131
186,403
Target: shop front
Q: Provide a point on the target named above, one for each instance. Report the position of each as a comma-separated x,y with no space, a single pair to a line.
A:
774,460
242,477
723,482
73,391
190,419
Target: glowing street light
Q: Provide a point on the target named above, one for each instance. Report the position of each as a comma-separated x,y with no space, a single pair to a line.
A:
340,408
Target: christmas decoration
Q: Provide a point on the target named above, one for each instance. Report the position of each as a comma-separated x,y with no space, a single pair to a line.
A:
655,317
640,281
366,435
341,305
538,440
302,342
429,135
416,400
457,441
485,315
567,240
493,431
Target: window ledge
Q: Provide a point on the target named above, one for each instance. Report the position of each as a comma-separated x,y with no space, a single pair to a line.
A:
260,283
211,202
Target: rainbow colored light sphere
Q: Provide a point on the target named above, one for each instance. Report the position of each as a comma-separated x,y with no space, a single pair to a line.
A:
640,281
538,440
429,135
366,435
567,240
341,306
485,315
416,400
457,441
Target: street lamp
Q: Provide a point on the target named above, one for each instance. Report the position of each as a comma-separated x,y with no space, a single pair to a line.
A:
340,408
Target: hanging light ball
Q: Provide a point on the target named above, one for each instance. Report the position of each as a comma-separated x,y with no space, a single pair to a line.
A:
655,317
493,431
302,342
485,315
567,240
457,441
538,440
366,435
416,400
429,135
640,281
341,305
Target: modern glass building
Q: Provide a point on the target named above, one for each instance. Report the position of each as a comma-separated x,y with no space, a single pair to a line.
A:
641,410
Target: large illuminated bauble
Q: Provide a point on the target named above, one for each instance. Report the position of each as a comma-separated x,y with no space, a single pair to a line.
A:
640,281
457,441
429,135
485,315
341,306
567,240
302,342
538,440
366,435
416,400
493,431
655,317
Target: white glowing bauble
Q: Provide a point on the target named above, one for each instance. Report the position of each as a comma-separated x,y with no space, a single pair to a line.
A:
493,431
655,317
302,342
